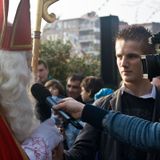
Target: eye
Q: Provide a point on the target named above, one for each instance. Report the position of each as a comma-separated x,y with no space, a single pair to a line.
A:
69,86
118,56
133,56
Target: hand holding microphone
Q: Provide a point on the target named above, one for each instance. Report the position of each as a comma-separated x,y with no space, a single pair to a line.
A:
42,95
71,106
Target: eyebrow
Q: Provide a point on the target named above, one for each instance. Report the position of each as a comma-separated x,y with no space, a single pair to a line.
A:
129,54
134,55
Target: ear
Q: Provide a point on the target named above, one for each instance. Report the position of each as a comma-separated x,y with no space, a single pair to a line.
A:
89,94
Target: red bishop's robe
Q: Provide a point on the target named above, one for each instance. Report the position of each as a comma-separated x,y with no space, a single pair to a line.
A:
9,147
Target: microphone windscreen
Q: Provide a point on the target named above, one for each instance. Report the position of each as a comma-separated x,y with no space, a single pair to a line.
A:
43,111
40,92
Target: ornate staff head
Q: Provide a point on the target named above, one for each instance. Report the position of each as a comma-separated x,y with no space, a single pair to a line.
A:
16,36
41,12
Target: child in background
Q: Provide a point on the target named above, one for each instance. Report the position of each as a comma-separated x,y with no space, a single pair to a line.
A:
90,85
56,88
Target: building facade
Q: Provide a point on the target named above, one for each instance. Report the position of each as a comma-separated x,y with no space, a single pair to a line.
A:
83,32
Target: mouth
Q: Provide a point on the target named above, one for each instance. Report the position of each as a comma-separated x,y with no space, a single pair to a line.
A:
125,72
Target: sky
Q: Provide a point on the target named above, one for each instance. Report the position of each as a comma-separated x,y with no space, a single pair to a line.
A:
131,11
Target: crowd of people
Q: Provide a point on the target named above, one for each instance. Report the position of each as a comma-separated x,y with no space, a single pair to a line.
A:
117,125
82,89
137,96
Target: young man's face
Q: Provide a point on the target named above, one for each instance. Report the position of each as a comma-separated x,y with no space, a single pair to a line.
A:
42,73
128,60
73,88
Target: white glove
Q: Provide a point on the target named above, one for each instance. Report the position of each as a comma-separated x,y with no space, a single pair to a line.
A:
43,141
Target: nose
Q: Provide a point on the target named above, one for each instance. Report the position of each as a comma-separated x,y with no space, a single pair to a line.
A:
69,89
124,62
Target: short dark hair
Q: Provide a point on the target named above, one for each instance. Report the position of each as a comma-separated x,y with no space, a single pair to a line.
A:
40,61
140,34
92,84
75,77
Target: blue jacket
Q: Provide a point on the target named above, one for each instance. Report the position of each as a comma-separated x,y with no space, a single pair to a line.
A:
129,129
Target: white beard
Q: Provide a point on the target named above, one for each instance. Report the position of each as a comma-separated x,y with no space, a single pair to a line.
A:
14,80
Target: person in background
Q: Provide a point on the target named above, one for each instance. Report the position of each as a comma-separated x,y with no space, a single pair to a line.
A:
21,135
90,85
73,88
68,131
57,91
56,88
136,97
43,72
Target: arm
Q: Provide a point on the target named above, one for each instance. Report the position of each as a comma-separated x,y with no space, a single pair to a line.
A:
132,130
129,129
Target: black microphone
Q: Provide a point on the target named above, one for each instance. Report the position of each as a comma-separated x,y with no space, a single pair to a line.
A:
42,94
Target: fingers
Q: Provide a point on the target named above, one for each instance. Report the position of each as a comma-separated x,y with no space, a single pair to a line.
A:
65,100
62,104
59,106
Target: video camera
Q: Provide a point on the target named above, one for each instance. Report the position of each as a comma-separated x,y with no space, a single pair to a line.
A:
151,62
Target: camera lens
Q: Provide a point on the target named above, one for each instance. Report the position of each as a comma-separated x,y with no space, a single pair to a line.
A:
153,65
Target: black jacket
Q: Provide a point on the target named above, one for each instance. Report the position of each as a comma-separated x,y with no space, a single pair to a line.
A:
91,140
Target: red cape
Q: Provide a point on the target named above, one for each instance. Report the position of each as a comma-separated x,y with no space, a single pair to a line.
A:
9,147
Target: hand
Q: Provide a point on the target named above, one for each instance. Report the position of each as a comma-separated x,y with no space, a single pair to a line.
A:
70,105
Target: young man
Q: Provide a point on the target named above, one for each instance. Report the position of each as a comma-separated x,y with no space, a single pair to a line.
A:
137,97
73,88
43,72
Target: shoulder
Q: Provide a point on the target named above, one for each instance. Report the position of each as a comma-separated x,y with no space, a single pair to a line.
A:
103,102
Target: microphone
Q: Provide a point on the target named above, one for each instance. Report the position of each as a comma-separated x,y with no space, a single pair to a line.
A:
44,111
42,94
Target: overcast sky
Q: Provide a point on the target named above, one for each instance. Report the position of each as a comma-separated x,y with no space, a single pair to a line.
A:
131,11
